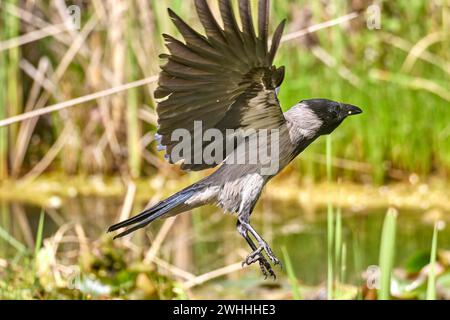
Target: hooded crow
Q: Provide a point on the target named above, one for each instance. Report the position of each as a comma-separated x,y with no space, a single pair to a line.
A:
224,83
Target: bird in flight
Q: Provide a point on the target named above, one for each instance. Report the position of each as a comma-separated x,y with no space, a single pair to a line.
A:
224,82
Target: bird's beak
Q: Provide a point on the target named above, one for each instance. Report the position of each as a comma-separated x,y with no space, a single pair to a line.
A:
350,110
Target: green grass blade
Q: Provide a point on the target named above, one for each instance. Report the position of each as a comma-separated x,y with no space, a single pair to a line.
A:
12,241
330,260
357,263
329,155
387,253
39,234
12,29
343,262
3,102
291,275
330,226
338,241
431,285
133,100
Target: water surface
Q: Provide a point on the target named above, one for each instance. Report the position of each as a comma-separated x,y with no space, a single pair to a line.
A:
206,239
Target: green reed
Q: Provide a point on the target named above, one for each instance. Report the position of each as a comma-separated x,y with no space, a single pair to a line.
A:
330,227
387,254
12,29
39,234
431,285
293,281
133,131
3,101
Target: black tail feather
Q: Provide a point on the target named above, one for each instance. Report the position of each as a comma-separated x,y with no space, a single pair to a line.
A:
162,208
142,216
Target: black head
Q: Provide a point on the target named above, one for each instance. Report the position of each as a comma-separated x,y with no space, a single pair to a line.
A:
330,113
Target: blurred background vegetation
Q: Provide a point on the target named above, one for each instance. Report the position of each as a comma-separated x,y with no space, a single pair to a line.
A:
87,166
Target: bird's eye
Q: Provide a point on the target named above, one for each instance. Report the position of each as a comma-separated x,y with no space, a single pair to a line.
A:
334,111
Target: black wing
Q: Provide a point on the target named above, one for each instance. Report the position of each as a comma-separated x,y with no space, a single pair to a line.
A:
225,79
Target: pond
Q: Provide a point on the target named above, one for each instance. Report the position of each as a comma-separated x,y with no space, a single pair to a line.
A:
206,239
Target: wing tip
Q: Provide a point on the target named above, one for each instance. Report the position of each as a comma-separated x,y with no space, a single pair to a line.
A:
173,15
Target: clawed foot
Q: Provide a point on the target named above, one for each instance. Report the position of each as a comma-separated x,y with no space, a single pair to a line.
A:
244,227
272,256
257,256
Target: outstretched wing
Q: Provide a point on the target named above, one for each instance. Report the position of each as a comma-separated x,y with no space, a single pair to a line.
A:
225,79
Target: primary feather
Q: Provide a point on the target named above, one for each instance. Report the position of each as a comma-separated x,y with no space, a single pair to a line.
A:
225,79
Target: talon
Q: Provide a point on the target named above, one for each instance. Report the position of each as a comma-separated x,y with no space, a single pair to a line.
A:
263,270
264,264
277,262
273,275
280,265
271,255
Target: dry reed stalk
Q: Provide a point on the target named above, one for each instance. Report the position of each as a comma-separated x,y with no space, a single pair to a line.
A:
163,166
425,55
157,242
148,115
55,216
25,130
116,38
50,155
78,42
128,202
59,7
82,240
183,253
213,275
143,48
411,82
176,271
40,81
358,166
19,214
36,22
331,62
319,26
419,48
95,80
32,36
77,101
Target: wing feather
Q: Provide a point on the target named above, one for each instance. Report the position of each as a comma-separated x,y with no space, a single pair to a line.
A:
245,12
212,28
225,78
276,40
